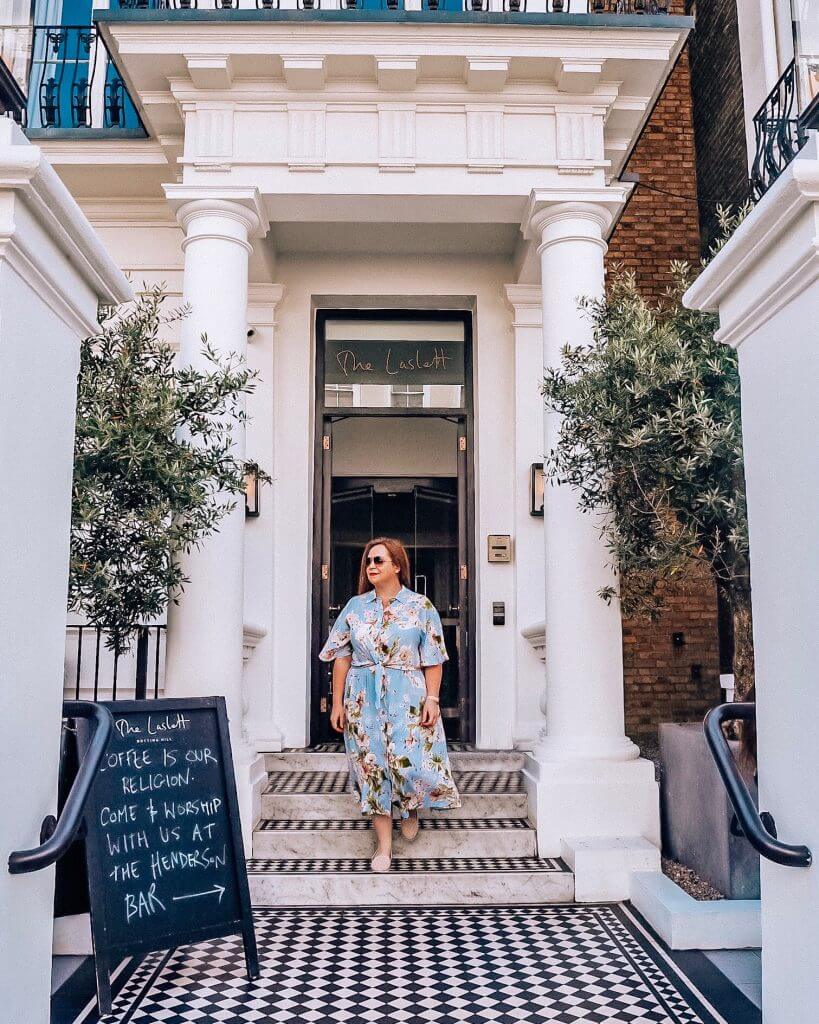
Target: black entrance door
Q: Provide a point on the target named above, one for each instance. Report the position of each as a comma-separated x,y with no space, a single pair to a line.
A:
429,516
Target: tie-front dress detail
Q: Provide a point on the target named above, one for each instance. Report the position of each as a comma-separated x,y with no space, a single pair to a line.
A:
393,758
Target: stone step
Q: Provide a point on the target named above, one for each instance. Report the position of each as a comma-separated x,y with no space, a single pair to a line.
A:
437,837
420,881
336,761
311,795
339,806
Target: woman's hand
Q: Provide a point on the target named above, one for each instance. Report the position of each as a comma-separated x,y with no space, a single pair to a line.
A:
430,713
338,717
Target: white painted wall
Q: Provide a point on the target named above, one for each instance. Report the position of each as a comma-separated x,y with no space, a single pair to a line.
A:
765,284
344,281
52,272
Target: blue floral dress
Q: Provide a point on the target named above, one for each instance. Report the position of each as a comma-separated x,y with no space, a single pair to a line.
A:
393,758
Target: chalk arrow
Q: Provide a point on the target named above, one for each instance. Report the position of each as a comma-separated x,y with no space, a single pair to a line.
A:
220,889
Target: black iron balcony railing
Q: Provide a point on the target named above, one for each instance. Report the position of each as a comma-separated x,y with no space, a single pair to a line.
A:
780,133
74,85
509,6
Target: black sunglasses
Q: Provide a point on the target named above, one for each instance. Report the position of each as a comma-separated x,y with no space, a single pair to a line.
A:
375,560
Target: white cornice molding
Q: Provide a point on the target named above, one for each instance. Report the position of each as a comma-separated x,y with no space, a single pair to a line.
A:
582,43
142,213
766,236
526,303
25,172
262,303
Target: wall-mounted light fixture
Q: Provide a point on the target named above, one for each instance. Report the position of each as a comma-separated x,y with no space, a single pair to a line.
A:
537,484
251,490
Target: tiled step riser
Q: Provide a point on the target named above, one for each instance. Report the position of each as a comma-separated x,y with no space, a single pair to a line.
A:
471,760
343,806
299,844
425,889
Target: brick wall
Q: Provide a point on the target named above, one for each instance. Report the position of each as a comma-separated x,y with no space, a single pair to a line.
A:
719,127
660,683
668,682
656,227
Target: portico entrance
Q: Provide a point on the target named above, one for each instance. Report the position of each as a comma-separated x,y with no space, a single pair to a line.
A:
393,450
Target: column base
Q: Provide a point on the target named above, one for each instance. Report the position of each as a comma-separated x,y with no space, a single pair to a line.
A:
585,748
591,798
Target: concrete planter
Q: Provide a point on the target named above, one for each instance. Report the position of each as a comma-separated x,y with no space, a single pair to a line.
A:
696,814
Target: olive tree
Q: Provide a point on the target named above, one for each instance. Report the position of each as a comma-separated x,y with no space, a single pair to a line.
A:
155,467
650,436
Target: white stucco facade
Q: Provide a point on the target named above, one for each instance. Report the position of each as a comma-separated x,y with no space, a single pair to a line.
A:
53,272
298,163
765,285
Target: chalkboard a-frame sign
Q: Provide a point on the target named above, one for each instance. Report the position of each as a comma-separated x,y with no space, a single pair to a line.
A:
166,863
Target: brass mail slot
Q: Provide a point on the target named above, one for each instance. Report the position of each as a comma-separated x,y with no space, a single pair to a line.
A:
499,547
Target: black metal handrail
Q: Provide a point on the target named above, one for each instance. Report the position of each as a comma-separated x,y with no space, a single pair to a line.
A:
57,836
751,822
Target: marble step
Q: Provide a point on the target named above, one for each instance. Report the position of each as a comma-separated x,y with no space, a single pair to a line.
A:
312,806
311,795
328,761
412,881
437,837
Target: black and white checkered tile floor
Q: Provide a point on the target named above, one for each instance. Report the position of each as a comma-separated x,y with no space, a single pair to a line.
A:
426,965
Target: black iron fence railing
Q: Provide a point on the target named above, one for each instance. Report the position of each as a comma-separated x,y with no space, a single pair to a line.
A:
74,85
94,672
779,131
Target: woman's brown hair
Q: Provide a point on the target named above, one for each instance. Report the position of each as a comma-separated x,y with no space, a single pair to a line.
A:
398,556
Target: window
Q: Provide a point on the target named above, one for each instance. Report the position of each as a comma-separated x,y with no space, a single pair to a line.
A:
407,396
339,396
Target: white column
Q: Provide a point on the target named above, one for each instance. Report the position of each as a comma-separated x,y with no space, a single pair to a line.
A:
204,655
527,323
589,778
583,634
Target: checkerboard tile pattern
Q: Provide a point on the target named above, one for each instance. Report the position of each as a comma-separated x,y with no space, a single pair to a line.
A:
339,782
419,965
318,865
364,824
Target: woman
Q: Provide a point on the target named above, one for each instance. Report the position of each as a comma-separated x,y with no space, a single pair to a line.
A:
387,646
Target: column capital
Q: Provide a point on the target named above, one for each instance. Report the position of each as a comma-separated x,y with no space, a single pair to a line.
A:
262,301
526,303
564,214
238,202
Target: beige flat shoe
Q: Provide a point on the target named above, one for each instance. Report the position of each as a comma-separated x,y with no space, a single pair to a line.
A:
410,826
380,862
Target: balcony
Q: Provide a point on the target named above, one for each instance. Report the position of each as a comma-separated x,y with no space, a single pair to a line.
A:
791,108
75,90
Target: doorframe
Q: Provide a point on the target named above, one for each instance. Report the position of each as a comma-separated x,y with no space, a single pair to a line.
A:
321,507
